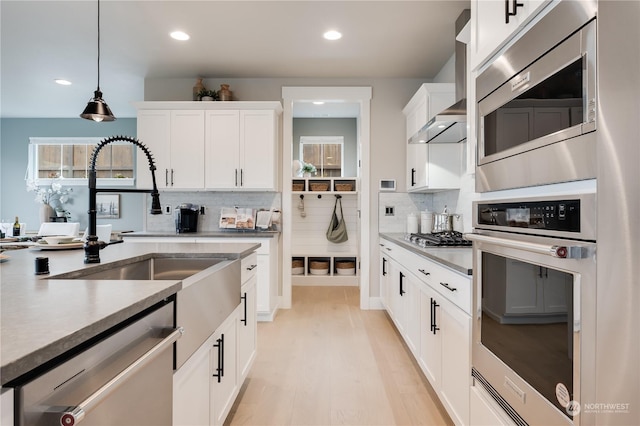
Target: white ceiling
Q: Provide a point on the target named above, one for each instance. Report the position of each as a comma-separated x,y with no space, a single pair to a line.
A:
49,39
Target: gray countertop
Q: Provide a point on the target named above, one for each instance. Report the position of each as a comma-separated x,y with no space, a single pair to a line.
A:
457,258
42,318
223,233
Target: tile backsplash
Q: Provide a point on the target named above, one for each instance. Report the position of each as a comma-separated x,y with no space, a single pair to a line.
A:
213,202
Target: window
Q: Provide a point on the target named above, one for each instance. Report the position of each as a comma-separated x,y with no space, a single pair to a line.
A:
324,152
69,158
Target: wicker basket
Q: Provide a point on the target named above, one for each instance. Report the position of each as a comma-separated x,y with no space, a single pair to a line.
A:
344,187
297,263
345,264
297,187
319,186
319,264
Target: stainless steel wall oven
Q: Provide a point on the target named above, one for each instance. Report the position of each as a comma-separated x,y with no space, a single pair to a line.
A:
537,104
534,302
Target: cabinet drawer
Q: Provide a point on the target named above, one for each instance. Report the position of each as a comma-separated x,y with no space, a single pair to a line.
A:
248,267
455,287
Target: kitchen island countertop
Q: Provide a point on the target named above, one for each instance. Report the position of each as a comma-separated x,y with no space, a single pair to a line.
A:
222,233
457,258
43,318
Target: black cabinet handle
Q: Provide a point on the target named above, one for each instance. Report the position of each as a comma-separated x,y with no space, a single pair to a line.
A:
448,287
171,177
244,299
236,177
384,267
424,272
220,368
241,177
413,177
434,322
166,177
401,284
515,7
252,267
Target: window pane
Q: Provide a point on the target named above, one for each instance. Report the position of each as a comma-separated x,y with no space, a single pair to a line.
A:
80,160
49,157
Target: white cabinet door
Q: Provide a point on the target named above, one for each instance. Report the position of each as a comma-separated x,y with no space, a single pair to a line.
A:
176,141
223,370
524,292
154,131
187,150
430,338
258,157
456,361
6,407
430,166
241,149
491,29
412,318
222,129
191,389
384,278
247,329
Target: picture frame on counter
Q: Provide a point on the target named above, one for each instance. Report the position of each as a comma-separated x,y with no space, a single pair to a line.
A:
108,206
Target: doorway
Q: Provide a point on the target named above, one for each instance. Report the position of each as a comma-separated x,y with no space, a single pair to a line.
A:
345,102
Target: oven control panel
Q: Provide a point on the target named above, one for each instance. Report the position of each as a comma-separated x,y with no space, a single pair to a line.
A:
556,215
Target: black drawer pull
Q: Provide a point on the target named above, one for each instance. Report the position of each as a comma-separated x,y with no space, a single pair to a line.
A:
424,272
252,267
446,285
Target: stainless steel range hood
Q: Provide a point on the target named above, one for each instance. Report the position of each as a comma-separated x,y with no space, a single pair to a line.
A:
450,125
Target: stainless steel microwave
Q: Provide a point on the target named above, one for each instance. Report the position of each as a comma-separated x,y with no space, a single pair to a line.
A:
536,104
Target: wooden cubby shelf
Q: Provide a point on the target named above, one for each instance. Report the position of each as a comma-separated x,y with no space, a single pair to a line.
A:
325,185
310,270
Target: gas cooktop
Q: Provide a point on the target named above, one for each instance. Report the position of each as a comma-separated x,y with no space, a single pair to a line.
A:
439,239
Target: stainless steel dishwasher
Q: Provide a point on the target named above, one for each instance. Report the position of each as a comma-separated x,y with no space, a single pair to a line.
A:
124,379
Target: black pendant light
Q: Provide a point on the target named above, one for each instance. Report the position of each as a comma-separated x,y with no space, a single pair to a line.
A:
97,109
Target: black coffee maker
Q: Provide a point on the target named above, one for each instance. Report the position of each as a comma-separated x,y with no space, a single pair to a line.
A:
186,215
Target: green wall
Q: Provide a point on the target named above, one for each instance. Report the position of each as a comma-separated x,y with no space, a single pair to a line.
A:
14,141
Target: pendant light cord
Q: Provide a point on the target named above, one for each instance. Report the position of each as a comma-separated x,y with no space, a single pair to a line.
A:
98,45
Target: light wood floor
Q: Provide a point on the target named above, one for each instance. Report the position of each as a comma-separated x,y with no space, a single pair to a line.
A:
326,362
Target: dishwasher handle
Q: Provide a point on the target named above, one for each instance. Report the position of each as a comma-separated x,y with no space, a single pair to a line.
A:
76,414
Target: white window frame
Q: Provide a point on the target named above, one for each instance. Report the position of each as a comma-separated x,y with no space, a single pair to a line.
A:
31,174
323,140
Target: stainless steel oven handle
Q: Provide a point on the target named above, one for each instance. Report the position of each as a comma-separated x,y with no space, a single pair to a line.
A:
554,251
77,414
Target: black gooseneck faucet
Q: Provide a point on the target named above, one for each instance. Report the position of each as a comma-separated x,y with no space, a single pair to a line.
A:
92,246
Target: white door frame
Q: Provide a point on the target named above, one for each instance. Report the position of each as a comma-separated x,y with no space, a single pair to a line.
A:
361,95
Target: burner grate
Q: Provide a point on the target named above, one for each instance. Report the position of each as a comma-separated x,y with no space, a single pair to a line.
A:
439,239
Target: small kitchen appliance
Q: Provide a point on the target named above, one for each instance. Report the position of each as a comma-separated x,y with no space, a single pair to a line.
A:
186,216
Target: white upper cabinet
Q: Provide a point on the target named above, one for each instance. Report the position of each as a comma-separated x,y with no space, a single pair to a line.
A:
176,140
492,31
241,149
210,145
431,167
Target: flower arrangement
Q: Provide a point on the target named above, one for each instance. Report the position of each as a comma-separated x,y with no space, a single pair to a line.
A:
206,93
307,168
55,194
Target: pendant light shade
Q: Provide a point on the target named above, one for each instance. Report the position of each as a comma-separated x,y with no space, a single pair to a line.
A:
97,109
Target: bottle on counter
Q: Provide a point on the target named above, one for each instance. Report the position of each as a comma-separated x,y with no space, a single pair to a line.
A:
16,227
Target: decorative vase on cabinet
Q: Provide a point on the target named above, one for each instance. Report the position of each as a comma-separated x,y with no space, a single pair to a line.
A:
46,212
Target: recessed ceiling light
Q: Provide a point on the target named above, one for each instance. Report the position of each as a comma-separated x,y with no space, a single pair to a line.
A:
62,82
179,35
332,35
318,102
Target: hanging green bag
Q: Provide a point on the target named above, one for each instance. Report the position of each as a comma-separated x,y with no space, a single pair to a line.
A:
337,232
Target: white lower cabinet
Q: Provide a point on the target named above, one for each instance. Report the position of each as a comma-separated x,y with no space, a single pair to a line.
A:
247,325
6,407
207,384
433,316
224,372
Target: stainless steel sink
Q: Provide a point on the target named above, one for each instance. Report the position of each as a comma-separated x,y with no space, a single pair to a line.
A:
155,268
210,290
